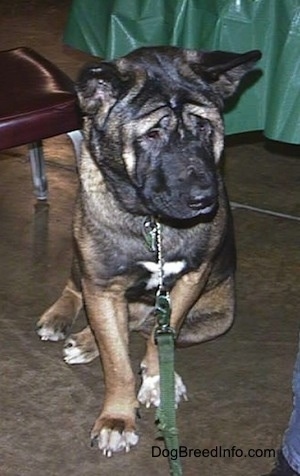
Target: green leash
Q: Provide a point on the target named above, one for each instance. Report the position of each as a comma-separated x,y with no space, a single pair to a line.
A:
164,338
166,413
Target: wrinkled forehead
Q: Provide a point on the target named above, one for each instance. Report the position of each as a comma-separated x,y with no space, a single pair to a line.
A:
165,79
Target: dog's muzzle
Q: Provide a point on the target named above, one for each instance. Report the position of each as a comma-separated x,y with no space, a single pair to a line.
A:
201,191
174,198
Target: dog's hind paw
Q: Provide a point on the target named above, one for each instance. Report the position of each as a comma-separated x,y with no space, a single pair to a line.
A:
114,437
80,348
54,332
149,393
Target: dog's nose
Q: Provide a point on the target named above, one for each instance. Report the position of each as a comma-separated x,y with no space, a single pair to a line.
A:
198,199
199,196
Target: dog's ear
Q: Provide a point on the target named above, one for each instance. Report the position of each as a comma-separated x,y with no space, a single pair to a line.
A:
98,88
224,70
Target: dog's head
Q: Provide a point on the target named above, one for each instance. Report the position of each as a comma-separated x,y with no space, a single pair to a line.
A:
153,125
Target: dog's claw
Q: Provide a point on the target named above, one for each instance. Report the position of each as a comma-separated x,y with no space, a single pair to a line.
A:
107,453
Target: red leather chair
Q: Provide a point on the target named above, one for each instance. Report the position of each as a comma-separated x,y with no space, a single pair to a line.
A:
37,101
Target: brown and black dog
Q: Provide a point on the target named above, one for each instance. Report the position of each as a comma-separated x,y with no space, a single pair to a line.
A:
153,138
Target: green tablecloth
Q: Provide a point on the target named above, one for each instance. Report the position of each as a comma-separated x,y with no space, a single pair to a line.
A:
112,28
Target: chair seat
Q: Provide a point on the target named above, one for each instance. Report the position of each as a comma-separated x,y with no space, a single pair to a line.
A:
37,100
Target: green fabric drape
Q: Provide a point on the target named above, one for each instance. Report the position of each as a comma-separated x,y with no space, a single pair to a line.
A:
112,28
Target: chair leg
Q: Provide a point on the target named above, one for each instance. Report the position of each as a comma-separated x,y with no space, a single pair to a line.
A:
38,173
76,138
37,162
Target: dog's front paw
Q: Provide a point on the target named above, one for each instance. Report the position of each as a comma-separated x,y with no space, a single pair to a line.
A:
113,435
80,348
149,393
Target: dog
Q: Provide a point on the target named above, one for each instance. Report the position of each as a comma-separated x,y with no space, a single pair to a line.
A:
153,140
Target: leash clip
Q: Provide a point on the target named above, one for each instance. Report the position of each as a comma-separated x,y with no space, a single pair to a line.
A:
150,233
162,312
162,308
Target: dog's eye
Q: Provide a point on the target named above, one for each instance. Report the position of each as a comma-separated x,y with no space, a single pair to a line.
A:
153,134
200,124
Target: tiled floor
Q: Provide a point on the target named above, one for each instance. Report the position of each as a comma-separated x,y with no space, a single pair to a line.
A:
238,385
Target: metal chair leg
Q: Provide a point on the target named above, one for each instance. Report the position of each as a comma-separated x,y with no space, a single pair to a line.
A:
37,162
38,173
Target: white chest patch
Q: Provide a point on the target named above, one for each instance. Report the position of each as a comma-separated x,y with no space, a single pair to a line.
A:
169,269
